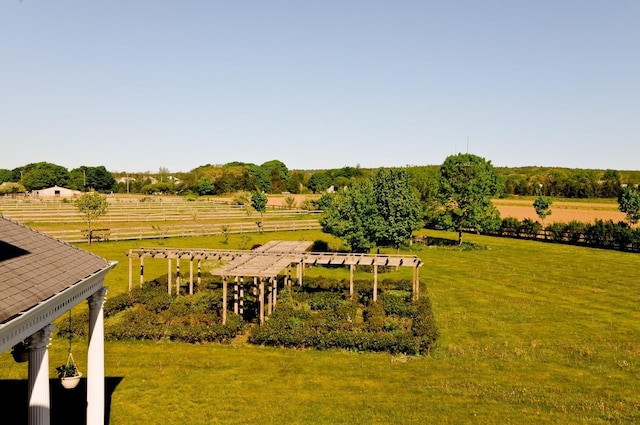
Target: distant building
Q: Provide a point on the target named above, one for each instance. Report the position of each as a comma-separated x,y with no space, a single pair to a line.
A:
55,192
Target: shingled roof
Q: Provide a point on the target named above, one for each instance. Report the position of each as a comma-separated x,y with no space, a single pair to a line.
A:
34,267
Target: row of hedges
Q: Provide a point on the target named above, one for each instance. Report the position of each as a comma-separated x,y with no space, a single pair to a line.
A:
150,313
600,234
321,315
326,320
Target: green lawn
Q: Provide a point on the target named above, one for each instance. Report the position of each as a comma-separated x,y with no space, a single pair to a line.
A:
530,333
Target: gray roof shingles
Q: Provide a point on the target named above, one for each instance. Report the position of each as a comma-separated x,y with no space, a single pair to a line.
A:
34,267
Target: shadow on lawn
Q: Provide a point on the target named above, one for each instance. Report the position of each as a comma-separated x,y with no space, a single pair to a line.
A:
67,406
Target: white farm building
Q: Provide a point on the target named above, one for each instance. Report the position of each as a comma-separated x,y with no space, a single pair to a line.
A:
56,192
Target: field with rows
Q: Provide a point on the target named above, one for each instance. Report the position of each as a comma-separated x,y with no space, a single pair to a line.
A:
150,217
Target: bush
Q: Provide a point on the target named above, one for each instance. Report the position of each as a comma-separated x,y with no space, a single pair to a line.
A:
510,226
424,325
374,317
115,305
136,323
74,326
397,303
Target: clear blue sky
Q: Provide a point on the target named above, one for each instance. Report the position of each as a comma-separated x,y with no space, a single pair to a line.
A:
136,85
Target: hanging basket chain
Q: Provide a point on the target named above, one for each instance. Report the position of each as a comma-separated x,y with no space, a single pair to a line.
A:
70,336
71,362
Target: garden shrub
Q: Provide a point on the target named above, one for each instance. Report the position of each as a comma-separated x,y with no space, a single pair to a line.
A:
136,323
347,325
398,303
424,325
510,226
114,305
74,326
374,317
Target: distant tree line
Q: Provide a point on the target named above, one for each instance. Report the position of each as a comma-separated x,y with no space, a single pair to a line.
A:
274,177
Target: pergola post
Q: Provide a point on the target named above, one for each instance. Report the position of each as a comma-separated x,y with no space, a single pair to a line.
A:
261,296
191,276
270,297
169,272
224,300
275,291
95,358
39,397
199,275
375,283
141,271
351,270
130,270
178,280
241,307
416,279
235,295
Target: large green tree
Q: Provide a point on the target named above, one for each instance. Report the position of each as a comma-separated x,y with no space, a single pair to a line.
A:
398,207
278,175
96,178
629,203
351,216
380,211
466,185
44,174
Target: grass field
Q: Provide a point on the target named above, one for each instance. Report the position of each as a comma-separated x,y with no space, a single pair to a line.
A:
530,333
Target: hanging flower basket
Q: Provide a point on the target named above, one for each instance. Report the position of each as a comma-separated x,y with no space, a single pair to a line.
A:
69,374
20,353
71,382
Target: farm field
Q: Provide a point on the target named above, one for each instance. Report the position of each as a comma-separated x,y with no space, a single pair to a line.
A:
562,211
150,217
144,217
531,332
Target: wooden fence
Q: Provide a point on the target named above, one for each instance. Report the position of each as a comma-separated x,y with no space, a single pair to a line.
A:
172,231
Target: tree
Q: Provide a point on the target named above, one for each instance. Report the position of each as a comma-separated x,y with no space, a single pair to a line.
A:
95,178
205,187
11,188
43,174
91,205
350,216
465,187
629,203
6,176
381,211
278,175
259,203
542,206
398,207
319,182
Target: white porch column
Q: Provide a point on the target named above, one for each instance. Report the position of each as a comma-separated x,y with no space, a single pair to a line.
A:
95,361
39,398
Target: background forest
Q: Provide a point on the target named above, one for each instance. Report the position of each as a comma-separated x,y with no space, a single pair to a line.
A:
275,177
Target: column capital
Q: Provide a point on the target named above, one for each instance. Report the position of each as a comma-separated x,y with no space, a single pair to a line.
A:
41,339
96,300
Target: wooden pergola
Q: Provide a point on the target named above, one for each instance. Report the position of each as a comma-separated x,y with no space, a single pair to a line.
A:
263,265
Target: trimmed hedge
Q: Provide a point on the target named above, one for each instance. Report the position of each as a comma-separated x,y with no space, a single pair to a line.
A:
395,324
600,234
322,317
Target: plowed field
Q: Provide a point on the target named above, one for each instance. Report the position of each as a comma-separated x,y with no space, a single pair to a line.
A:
562,211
